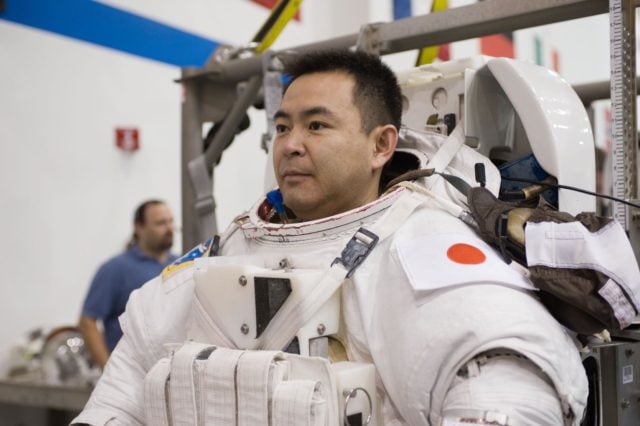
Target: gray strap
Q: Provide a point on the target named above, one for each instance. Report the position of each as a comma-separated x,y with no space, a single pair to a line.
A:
205,205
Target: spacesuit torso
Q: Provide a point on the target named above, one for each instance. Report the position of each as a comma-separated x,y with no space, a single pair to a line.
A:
428,299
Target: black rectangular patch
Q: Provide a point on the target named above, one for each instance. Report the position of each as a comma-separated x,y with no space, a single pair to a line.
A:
270,294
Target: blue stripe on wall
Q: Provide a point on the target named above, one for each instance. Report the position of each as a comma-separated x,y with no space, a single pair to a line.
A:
401,9
110,27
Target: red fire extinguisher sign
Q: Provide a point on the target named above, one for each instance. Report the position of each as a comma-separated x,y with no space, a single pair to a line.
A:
128,138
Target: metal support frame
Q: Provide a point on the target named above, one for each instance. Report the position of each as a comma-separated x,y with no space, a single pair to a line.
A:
590,92
622,22
613,392
487,17
191,148
460,23
272,88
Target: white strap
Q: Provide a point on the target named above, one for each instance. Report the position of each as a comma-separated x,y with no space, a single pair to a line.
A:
238,387
298,403
572,245
183,393
199,373
155,394
397,214
622,309
253,386
316,368
447,205
445,154
290,318
220,407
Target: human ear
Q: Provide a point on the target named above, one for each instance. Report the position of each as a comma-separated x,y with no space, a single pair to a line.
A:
386,139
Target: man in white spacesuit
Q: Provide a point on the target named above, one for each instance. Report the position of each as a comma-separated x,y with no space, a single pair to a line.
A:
456,335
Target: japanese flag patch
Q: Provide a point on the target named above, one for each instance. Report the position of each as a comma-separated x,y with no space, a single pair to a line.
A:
437,261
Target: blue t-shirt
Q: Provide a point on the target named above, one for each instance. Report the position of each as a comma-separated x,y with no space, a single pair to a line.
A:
112,285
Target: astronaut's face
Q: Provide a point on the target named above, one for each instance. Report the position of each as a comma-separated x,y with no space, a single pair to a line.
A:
324,162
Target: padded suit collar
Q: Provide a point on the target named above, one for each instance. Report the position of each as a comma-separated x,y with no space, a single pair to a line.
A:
329,228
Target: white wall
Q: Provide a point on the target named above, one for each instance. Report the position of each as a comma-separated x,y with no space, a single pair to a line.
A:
67,194
583,45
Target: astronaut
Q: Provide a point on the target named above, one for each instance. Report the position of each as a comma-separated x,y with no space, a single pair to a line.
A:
454,333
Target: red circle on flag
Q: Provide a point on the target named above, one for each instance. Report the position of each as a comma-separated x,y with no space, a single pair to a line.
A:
466,254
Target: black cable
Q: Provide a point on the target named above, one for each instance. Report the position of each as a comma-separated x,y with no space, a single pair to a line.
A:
573,188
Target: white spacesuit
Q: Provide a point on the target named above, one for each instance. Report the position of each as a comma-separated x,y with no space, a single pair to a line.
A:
453,332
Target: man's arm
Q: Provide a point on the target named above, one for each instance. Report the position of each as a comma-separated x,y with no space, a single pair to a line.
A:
99,304
94,340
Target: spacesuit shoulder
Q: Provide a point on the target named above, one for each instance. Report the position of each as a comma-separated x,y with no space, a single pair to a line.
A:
437,251
157,311
201,250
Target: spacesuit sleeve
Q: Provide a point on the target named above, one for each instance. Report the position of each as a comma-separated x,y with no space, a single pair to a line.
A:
440,299
155,315
118,397
504,388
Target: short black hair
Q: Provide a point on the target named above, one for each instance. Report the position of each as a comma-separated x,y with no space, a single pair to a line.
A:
139,216
376,93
